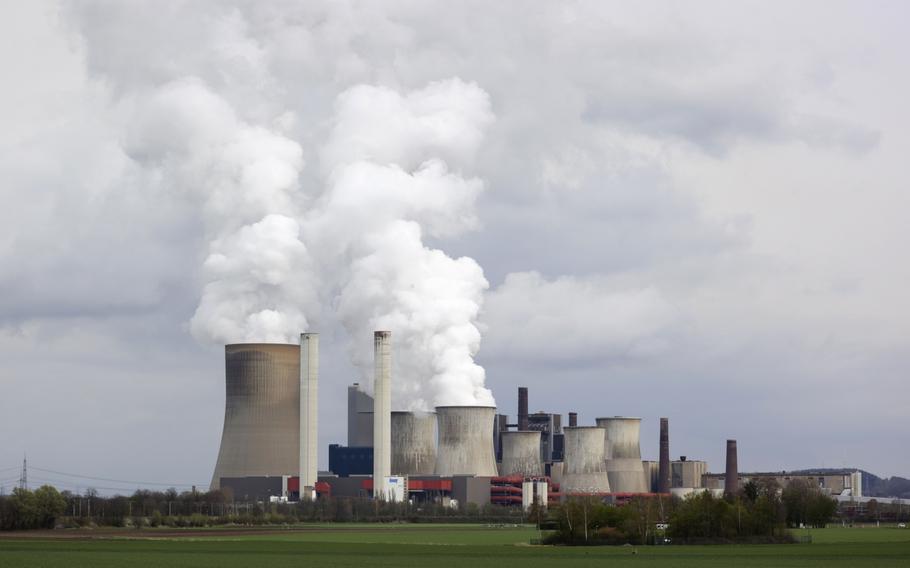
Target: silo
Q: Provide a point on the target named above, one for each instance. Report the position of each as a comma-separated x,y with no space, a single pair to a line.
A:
261,433
624,461
584,467
521,454
413,443
465,441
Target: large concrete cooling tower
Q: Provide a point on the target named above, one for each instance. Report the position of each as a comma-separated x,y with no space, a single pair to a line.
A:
465,441
585,465
413,443
261,433
624,464
521,454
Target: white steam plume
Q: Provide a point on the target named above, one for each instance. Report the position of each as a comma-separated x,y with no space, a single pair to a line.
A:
257,270
393,172
393,164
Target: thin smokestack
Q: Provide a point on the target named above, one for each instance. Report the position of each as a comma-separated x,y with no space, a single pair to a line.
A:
573,419
382,412
663,471
731,479
522,408
309,397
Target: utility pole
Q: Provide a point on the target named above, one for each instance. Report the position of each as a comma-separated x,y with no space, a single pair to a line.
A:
23,477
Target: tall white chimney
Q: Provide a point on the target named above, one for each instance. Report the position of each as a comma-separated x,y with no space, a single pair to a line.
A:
382,413
309,397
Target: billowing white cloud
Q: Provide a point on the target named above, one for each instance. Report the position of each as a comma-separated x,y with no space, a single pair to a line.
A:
719,186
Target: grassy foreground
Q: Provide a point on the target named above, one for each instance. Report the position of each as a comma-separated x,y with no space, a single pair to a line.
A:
426,545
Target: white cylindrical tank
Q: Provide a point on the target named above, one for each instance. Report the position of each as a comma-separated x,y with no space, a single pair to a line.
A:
624,465
521,454
382,412
413,443
584,465
465,441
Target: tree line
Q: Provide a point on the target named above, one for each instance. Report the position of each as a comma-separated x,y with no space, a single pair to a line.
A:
48,508
760,513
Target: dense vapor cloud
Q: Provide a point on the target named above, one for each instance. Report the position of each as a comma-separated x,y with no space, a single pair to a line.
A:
258,285
387,186
631,209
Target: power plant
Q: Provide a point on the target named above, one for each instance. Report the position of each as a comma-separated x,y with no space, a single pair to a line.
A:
457,454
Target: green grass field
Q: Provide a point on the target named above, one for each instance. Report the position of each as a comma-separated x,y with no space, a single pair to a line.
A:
427,545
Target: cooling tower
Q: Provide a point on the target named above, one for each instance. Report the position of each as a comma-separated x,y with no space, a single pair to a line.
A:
731,477
584,467
413,443
309,399
261,433
624,462
382,412
663,472
521,454
465,441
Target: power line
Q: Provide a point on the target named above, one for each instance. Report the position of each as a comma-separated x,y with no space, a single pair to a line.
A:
127,481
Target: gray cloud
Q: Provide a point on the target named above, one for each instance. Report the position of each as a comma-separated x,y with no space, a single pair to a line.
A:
725,179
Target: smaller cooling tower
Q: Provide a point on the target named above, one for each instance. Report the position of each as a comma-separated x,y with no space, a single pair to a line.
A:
521,454
465,441
584,465
413,443
624,464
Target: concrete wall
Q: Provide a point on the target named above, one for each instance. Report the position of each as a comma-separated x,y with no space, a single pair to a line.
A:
259,488
470,489
687,473
651,469
360,418
261,435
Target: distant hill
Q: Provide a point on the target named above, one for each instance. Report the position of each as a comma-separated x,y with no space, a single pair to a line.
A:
873,485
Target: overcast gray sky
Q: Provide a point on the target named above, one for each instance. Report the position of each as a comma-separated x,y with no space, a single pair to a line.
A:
690,210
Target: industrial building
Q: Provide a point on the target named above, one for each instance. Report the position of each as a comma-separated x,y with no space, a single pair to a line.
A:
846,482
454,454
